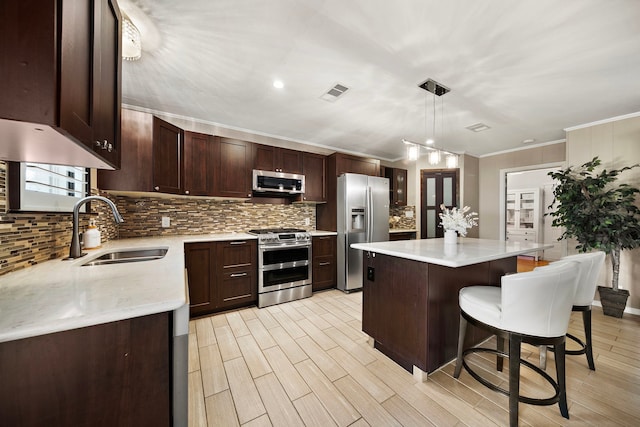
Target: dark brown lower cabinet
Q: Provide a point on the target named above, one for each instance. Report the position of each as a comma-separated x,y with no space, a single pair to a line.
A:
114,374
323,251
222,275
411,308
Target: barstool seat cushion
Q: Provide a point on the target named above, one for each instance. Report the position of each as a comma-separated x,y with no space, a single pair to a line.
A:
483,303
531,303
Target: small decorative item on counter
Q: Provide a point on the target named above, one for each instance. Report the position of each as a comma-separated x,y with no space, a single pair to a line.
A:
91,237
456,220
393,221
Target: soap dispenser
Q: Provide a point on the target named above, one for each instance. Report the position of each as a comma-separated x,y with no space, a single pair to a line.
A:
91,237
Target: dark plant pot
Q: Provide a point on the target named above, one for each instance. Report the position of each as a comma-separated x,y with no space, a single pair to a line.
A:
613,302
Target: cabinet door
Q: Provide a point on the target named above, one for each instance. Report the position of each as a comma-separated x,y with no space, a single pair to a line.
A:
399,185
137,147
199,259
112,374
264,157
289,161
198,164
324,262
76,69
107,81
233,168
314,176
167,157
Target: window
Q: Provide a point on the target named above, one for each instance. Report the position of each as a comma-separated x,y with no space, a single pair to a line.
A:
43,187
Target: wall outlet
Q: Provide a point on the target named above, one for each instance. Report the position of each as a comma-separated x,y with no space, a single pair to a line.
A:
307,221
408,214
166,222
371,274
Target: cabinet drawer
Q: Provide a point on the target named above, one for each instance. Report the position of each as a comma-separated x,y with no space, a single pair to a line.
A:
323,246
236,286
324,269
236,253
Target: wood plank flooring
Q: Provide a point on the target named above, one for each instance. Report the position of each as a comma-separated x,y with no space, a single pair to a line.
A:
307,363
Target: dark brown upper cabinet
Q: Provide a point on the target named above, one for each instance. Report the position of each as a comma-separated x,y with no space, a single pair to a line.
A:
168,160
160,157
313,168
199,163
233,168
346,163
397,186
61,67
276,159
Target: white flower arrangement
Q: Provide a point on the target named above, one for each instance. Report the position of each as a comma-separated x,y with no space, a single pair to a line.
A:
458,219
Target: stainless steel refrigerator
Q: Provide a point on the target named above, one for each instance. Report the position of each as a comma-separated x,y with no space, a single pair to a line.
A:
363,217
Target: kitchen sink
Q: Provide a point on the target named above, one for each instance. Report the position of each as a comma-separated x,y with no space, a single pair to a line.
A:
128,255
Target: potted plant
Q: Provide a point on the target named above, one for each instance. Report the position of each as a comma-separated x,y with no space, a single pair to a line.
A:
456,221
600,214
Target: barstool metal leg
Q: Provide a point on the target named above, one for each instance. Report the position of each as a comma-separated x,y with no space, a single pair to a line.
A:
543,357
462,330
586,319
500,348
559,351
514,378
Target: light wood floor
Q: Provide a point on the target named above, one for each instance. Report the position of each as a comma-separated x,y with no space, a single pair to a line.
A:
308,363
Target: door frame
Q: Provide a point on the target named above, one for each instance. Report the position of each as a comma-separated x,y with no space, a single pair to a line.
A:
457,197
503,193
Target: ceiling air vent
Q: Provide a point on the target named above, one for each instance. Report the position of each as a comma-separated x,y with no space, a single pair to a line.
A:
478,127
334,93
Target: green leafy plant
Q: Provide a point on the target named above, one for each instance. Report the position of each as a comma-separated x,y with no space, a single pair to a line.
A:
595,210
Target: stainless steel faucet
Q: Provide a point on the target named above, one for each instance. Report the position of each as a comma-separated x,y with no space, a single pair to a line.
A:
74,250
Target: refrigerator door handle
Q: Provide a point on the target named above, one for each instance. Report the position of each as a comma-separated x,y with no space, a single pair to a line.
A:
369,216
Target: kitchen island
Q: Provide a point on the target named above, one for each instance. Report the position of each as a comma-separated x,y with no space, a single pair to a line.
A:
410,294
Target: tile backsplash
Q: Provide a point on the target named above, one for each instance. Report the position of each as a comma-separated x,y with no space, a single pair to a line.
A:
143,216
403,221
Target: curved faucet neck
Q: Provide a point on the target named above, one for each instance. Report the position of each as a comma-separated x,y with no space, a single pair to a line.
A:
75,250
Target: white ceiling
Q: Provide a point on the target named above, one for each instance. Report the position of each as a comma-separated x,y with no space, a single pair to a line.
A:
526,68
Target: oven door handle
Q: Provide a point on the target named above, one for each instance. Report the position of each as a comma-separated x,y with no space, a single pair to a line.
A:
283,246
285,265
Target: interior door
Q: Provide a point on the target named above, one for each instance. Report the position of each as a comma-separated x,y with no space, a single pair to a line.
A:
437,187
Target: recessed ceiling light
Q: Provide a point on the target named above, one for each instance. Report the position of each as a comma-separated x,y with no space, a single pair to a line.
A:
278,84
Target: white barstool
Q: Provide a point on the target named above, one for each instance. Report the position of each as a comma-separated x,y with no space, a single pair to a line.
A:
590,266
533,308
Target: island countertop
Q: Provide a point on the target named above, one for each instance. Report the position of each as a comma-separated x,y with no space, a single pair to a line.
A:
467,251
60,295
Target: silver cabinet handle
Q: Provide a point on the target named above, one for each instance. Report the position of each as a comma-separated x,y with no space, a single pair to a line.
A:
238,242
323,263
186,192
238,274
105,145
156,188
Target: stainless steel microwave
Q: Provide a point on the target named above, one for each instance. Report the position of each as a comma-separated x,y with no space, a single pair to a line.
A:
277,182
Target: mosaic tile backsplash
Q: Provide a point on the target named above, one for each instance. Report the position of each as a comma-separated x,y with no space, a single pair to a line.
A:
143,216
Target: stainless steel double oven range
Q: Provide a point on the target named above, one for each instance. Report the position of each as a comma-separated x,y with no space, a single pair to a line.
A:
284,265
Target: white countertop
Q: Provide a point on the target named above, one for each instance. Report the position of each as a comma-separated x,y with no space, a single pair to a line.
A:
60,295
466,252
320,233
402,230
